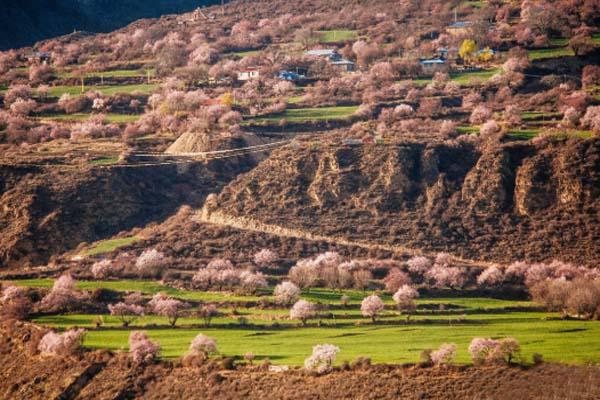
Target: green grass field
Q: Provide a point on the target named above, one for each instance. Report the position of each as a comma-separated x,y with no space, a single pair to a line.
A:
307,114
455,317
337,35
106,246
58,91
79,117
119,73
539,54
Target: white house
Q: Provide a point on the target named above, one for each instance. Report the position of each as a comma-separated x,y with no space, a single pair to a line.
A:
248,74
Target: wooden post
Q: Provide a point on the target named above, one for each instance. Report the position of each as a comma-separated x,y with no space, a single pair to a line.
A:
82,84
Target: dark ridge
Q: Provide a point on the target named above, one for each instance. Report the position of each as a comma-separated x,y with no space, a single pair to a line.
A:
22,23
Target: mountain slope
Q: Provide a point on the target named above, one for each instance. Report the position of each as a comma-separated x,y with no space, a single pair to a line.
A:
23,23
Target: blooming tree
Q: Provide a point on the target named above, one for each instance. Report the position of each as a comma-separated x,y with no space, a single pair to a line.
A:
63,294
322,358
169,308
445,355
395,279
207,312
141,348
405,297
102,269
302,310
150,262
481,349
371,306
15,303
286,293
419,265
265,258
203,344
480,114
125,312
490,277
63,344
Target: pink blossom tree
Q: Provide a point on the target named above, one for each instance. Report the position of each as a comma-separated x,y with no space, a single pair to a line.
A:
125,312
169,308
322,358
419,265
490,277
480,114
141,348
150,263
15,303
303,310
395,279
286,293
252,281
265,258
64,344
405,298
489,129
591,119
203,345
63,294
207,312
102,269
371,306
481,349
445,355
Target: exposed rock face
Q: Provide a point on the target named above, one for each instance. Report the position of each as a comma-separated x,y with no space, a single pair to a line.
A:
515,201
44,212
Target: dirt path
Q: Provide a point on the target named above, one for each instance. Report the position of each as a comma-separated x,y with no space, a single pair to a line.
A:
249,224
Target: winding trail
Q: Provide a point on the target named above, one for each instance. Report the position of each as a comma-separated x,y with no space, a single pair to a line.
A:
249,224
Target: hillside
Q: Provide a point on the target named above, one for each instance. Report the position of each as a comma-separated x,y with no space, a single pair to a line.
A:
521,200
22,23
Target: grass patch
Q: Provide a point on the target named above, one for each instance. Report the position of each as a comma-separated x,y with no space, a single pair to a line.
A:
105,160
307,115
540,54
470,77
247,53
119,73
337,35
79,117
109,245
145,88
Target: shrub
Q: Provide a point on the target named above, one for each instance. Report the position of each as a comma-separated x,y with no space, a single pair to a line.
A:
322,358
371,306
141,348
64,344
591,119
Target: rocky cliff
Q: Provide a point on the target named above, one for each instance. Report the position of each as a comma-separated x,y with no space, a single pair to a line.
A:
46,211
514,201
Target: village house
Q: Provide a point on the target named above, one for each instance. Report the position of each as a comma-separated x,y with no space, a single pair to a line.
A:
248,74
458,28
39,57
433,65
334,58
